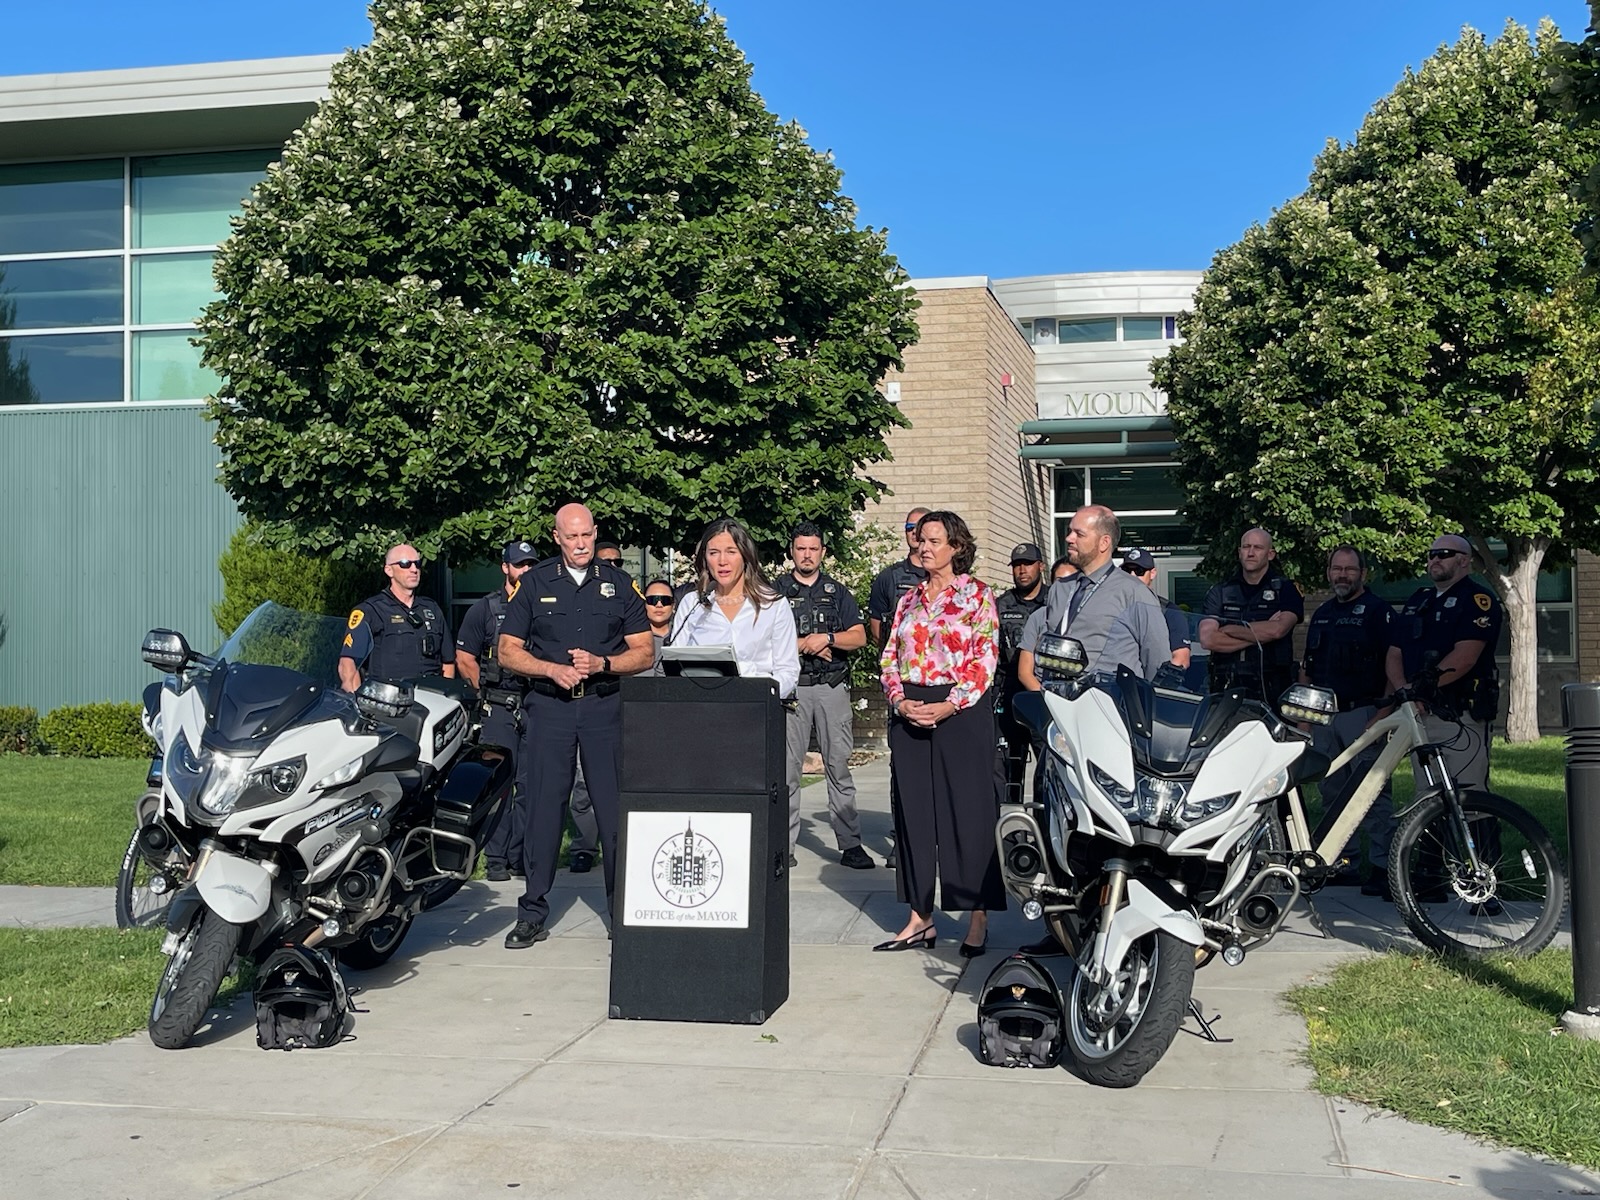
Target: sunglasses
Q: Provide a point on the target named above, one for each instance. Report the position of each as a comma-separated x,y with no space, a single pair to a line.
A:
658,600
405,564
1443,553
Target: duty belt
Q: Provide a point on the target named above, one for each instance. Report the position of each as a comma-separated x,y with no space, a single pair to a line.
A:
510,697
584,687
831,678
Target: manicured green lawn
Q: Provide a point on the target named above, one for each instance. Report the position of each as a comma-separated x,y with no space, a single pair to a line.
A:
1467,1046
66,821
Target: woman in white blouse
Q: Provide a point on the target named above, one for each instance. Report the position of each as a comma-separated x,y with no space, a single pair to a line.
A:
737,606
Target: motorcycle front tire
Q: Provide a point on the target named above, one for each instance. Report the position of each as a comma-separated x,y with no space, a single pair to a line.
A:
1160,970
378,942
192,978
136,905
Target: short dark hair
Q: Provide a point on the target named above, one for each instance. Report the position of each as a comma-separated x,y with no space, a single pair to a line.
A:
1361,559
960,536
658,582
1063,561
599,546
808,529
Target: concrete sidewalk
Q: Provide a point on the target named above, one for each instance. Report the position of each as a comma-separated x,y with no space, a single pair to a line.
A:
478,1071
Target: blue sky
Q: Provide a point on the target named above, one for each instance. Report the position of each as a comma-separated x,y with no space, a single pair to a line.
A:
996,139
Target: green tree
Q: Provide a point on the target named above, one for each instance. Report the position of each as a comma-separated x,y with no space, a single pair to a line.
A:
253,572
1407,348
529,251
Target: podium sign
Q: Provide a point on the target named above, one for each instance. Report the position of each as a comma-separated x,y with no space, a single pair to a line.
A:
702,921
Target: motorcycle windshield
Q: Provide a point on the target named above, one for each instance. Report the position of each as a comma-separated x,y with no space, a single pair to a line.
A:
279,667
276,636
1172,732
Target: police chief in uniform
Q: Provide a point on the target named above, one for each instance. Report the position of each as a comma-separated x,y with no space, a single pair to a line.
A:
501,694
828,626
575,626
397,634
1247,623
1347,650
1452,627
1014,606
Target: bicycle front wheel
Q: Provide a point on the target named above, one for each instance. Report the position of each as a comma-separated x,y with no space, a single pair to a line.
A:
1510,904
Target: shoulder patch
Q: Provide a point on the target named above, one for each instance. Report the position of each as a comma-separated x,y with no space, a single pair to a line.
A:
1484,600
356,616
637,590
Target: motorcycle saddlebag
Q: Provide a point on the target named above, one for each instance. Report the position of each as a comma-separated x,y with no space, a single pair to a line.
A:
1020,1015
301,1001
469,797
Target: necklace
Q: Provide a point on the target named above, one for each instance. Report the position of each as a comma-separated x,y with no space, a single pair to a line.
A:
733,601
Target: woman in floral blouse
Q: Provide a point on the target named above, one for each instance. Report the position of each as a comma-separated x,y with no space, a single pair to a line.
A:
938,669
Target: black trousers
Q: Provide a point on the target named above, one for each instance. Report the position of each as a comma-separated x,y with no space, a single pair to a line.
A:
503,727
557,734
944,825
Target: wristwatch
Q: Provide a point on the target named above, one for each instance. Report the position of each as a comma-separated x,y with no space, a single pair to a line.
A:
830,641
605,663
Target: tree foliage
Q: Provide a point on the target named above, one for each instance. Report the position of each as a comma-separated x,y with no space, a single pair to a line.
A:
531,251
253,573
1405,348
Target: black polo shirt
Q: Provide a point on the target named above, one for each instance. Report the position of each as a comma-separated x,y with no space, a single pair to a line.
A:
553,616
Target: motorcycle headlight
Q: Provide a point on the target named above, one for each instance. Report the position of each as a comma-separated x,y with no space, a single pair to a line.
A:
340,777
1127,803
1160,799
1058,743
225,783
184,770
274,782
1198,810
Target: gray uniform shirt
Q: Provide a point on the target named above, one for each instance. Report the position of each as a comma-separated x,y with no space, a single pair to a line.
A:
1119,623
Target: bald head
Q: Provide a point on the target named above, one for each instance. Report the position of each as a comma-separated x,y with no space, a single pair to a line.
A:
1092,537
1255,554
575,535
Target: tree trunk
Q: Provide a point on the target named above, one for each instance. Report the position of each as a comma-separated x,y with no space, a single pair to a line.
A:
1517,582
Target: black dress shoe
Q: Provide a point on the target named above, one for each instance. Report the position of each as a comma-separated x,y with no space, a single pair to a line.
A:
970,951
1043,948
499,872
525,933
890,860
793,862
1377,884
581,862
858,858
923,939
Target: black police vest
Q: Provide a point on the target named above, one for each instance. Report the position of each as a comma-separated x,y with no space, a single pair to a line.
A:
816,610
1238,604
491,673
1014,611
1346,647
1432,624
405,642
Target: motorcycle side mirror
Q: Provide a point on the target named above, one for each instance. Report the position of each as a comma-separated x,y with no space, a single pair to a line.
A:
376,699
1029,708
1059,657
1314,705
166,650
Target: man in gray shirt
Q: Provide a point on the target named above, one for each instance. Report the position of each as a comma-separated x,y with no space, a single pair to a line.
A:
1116,618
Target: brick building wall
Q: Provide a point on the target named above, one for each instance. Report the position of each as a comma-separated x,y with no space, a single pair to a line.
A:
960,451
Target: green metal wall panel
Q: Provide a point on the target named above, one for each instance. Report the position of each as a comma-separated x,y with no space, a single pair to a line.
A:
111,523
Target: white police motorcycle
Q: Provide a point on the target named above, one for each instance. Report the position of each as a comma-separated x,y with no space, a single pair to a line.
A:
292,813
1155,845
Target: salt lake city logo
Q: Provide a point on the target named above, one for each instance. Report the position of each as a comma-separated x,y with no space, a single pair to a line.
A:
688,869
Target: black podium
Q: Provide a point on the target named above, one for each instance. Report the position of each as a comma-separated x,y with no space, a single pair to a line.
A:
701,927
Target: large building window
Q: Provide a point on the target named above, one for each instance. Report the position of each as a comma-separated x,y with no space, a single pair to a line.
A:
1088,331
1146,500
104,268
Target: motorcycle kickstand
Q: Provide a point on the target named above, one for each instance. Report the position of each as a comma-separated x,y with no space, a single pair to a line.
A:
1317,922
1206,1030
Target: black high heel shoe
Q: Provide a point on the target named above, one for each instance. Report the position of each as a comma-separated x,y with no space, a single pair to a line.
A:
970,951
923,939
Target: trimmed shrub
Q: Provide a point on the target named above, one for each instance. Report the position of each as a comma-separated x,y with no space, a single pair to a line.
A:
253,572
19,730
109,730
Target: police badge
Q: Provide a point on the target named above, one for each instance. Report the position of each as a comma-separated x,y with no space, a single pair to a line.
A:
608,590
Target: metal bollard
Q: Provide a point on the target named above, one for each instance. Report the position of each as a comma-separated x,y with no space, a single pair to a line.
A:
1580,713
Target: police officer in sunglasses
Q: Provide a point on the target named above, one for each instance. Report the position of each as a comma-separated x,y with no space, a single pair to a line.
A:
397,634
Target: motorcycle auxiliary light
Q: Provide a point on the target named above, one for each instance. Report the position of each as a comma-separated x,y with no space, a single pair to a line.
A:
1059,657
1314,705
